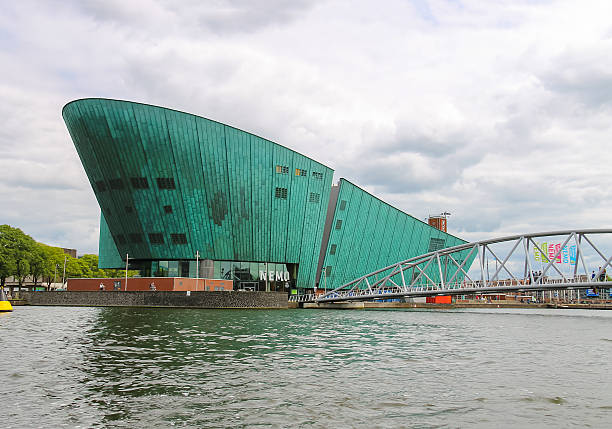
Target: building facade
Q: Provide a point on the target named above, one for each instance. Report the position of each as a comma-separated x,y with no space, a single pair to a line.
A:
364,234
185,196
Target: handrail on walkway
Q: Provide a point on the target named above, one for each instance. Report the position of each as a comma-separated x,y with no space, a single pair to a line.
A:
452,270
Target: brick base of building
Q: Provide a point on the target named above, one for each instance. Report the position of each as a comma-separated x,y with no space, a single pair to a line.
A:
220,299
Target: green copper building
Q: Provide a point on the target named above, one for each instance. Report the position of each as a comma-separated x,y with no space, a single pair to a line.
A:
172,185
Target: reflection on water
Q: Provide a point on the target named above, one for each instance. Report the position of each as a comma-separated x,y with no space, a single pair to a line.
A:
116,367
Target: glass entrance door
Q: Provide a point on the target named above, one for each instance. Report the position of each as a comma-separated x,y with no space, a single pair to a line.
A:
248,286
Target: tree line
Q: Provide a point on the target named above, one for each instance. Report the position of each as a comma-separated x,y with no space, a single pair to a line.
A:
22,257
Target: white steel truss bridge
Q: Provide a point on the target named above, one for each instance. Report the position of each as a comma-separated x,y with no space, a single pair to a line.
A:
522,263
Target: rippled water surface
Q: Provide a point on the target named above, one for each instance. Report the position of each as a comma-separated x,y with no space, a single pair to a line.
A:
132,368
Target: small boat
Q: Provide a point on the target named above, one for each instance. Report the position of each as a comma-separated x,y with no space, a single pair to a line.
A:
5,305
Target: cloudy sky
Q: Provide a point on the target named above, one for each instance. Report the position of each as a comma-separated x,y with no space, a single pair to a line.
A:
498,112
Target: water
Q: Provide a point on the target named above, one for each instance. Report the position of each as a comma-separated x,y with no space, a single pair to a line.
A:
133,368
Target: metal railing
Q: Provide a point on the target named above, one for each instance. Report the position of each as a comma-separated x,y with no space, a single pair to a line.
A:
451,271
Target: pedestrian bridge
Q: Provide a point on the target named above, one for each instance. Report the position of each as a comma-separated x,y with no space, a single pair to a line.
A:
572,259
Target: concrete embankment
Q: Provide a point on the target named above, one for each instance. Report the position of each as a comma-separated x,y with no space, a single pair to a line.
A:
366,305
217,299
336,305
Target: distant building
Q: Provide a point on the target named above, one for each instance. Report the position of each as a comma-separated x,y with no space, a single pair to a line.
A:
178,191
438,222
70,252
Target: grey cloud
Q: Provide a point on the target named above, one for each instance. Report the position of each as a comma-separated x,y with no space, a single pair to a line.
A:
40,179
247,16
591,87
222,17
582,75
410,140
409,160
53,216
507,142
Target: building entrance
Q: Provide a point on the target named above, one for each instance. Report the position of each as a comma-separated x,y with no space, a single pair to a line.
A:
248,286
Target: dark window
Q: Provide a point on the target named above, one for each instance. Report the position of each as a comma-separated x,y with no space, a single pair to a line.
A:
178,238
116,184
342,205
101,186
317,175
332,249
135,238
314,198
338,224
168,209
129,209
328,271
281,169
436,244
156,238
166,183
120,239
139,182
300,172
281,193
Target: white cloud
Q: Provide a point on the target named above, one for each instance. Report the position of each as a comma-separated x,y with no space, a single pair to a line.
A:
498,112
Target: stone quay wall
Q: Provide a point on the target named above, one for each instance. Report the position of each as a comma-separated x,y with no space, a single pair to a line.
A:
217,299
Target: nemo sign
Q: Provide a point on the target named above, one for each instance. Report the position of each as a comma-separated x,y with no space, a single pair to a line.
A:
278,276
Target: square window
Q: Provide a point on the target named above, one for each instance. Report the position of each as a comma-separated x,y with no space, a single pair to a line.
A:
317,175
332,249
139,182
314,198
436,244
167,209
165,183
178,238
281,193
342,205
101,186
338,224
156,238
116,184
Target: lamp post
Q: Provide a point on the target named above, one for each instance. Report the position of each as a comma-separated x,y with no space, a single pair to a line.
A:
64,275
127,258
197,268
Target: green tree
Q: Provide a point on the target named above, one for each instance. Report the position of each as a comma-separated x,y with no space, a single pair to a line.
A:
17,246
21,256
37,263
53,263
7,262
74,268
91,262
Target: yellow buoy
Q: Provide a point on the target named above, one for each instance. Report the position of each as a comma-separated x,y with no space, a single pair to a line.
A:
5,305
